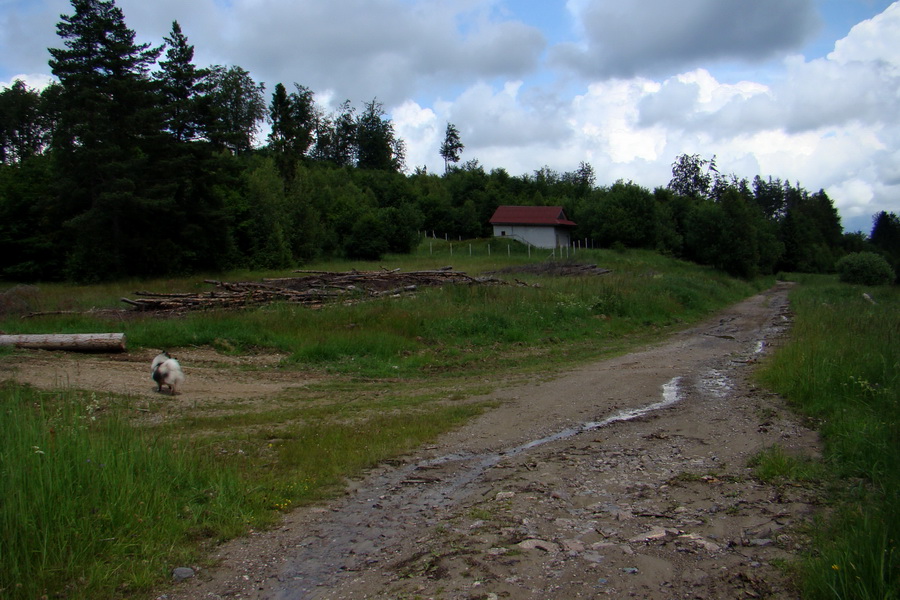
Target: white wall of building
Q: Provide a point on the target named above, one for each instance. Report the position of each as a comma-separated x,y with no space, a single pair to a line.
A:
540,237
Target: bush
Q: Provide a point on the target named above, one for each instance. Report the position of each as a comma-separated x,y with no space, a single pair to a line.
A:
865,268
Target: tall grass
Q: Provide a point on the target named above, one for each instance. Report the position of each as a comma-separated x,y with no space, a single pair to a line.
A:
88,501
94,507
842,368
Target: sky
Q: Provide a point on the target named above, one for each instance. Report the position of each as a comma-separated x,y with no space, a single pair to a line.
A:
802,90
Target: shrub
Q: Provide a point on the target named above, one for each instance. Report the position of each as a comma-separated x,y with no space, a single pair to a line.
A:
865,268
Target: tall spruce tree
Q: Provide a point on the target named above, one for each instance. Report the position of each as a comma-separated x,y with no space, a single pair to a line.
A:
107,121
182,86
293,120
189,173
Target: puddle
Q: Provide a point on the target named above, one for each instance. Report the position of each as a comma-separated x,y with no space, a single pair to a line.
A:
451,490
714,383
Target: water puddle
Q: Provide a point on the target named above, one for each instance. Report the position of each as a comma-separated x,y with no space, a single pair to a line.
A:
714,383
451,490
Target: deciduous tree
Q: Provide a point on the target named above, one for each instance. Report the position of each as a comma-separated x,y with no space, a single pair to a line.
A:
452,146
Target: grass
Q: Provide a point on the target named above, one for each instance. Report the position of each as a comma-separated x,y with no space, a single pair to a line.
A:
447,329
91,505
842,369
774,465
391,375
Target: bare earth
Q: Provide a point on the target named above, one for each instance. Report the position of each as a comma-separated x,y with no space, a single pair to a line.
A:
625,478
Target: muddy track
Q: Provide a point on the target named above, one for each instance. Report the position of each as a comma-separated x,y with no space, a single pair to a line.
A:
625,478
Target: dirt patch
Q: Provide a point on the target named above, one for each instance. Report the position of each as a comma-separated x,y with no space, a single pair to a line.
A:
211,377
624,478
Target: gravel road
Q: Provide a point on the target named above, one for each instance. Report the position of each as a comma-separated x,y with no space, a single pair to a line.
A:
624,478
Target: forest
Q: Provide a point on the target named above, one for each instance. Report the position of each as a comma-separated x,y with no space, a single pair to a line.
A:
139,163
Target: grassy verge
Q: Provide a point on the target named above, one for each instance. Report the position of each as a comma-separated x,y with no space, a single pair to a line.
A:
441,330
394,374
842,368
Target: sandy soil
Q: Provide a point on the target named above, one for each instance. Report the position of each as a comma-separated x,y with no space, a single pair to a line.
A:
625,478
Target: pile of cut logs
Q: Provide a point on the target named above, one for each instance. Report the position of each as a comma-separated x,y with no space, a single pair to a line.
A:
312,288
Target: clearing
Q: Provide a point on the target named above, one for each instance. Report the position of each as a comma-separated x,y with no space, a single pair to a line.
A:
626,477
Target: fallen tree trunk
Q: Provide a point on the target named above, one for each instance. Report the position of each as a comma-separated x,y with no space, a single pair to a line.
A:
73,342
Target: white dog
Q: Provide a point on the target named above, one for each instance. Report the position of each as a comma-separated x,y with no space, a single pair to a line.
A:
165,370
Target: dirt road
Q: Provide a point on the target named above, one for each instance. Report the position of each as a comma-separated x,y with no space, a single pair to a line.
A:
626,478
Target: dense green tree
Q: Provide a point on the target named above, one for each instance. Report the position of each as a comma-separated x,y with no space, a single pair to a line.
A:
336,137
451,147
626,215
237,108
293,120
885,237
704,232
811,232
738,247
769,196
29,232
183,87
107,123
377,146
692,176
24,128
885,233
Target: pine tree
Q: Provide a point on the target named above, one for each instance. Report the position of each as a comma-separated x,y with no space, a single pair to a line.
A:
293,120
108,119
182,88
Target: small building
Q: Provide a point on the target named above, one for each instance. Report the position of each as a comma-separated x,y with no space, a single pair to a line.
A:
539,226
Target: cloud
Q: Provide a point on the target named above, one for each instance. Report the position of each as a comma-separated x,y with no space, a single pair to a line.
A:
360,49
652,37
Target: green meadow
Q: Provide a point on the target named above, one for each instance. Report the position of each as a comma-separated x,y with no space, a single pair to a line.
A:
101,501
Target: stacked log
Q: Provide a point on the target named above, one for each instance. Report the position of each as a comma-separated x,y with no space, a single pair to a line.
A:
312,288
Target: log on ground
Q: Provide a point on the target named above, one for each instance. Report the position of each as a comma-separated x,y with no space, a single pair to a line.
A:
72,342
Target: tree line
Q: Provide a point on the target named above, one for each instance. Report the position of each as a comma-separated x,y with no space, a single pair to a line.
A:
138,162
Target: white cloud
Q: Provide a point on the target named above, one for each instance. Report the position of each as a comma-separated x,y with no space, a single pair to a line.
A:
37,81
873,40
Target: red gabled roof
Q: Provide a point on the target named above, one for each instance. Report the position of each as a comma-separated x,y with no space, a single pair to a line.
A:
531,215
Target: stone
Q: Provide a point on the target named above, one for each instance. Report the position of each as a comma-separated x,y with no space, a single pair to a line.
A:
535,544
182,573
